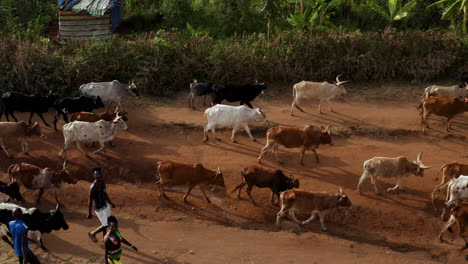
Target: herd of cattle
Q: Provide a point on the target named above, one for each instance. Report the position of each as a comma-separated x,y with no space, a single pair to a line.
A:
84,126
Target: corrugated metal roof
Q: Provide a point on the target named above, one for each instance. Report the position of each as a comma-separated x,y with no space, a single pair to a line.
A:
93,7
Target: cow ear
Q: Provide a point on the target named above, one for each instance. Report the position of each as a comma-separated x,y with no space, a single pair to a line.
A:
219,170
324,129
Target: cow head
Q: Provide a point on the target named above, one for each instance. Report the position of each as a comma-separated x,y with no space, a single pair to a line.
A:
260,115
342,199
132,90
12,190
325,135
219,179
119,124
56,221
34,130
417,167
64,177
120,114
340,86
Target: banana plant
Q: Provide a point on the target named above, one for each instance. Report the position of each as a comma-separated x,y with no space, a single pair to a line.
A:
454,10
393,11
317,15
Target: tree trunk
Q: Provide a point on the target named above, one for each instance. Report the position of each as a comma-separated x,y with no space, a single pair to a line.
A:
302,5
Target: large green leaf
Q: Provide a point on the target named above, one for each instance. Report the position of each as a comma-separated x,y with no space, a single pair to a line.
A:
438,4
379,10
452,9
392,6
403,12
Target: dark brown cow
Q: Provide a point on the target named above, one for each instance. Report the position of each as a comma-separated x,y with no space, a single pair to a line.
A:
297,200
33,177
442,107
309,137
459,215
174,173
265,178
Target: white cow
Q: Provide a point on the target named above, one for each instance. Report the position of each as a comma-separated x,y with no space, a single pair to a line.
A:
446,91
86,132
456,190
235,116
322,91
391,167
110,92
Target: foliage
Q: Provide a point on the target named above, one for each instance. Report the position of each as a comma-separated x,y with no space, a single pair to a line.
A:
456,11
394,10
317,15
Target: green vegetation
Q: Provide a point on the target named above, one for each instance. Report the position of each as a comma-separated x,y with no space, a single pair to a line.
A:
164,44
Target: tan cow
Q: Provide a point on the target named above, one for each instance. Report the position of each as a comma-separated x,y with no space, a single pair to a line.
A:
309,137
19,130
442,107
297,200
459,215
172,173
321,91
33,177
94,117
449,171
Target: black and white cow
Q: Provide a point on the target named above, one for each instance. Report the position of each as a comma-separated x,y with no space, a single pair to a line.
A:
74,105
109,92
14,101
12,190
35,220
237,92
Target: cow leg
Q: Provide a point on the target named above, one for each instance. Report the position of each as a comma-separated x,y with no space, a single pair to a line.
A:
397,186
265,150
319,107
4,147
275,152
162,194
310,219
246,127
281,214
190,104
292,213
322,221
121,107
203,191
56,118
30,117
101,143
24,146
14,117
42,118
316,155
435,193
446,226
361,180
271,198
189,189
449,123
41,192
78,145
301,159
329,106
374,182
239,188
248,191
233,137
295,104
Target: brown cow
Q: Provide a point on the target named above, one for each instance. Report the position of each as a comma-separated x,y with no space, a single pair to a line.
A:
93,117
449,171
297,200
19,130
309,137
174,173
33,177
459,215
442,107
265,178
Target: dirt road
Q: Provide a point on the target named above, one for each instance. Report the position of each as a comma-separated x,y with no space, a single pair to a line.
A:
391,228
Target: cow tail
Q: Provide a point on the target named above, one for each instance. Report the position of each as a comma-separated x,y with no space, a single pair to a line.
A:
243,172
10,169
440,171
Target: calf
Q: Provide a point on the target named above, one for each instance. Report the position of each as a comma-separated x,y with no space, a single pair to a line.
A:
20,131
73,105
459,215
14,101
84,132
309,137
34,219
12,190
235,116
237,92
94,117
110,92
33,177
391,167
442,107
199,89
174,173
321,91
449,171
265,178
297,200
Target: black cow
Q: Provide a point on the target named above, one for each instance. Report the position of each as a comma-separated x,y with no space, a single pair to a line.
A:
463,79
12,190
35,221
74,105
14,101
199,89
237,92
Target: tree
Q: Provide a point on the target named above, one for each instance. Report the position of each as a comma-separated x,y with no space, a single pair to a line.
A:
395,11
454,10
269,9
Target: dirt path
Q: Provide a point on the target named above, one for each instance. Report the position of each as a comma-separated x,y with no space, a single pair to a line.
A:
392,228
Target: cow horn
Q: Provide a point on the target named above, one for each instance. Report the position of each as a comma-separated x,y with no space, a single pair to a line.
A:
341,190
219,170
419,157
338,82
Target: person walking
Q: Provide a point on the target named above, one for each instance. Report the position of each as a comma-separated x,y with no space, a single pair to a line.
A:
98,195
113,242
19,234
